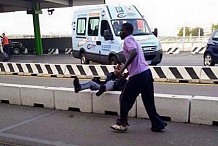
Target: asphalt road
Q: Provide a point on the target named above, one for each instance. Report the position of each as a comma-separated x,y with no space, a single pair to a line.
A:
182,59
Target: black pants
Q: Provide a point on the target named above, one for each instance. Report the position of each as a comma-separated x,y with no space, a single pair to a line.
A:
7,50
140,83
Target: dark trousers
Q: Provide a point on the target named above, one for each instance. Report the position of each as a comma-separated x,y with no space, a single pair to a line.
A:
140,83
7,50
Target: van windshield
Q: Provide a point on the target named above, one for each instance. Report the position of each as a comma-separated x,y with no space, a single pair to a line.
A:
140,26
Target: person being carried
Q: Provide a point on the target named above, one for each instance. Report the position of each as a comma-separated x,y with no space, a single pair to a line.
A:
112,82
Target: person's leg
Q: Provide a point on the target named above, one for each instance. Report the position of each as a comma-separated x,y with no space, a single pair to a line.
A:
90,85
106,87
87,85
1,49
109,85
7,50
9,53
148,101
127,99
128,96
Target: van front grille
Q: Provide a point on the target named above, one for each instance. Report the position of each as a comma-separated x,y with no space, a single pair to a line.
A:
148,48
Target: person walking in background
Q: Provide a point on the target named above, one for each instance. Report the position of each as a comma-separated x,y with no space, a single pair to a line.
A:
6,44
1,48
140,81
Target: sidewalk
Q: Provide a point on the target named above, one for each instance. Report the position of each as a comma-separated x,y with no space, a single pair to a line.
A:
34,126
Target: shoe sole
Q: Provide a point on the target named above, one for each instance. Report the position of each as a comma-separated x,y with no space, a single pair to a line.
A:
76,85
117,130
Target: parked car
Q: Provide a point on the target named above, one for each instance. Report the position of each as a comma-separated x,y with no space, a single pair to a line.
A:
16,48
211,52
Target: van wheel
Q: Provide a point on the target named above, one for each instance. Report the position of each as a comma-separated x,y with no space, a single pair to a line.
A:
83,59
16,51
113,60
208,60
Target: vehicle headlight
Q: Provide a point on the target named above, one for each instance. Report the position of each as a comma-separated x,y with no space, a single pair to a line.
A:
159,46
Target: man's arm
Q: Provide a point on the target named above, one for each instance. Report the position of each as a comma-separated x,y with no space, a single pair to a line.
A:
132,56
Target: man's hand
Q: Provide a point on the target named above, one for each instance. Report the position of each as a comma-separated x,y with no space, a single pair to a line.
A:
119,69
125,75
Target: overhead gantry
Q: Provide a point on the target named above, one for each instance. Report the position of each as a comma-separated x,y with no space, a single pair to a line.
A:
35,7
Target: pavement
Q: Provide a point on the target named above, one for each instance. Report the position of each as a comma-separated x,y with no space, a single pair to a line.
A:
36,126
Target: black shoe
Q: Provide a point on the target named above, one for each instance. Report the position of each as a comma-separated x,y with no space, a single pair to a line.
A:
101,90
159,129
118,122
76,84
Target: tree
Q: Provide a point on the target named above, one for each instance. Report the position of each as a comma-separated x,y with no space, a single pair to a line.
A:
195,31
214,27
187,31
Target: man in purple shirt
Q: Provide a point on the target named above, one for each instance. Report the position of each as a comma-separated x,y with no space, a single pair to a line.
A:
140,81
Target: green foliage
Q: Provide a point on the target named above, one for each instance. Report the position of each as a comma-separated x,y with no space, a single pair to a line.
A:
187,31
195,31
214,27
191,31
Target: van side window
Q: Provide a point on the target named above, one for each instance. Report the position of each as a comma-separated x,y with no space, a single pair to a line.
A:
93,26
81,26
104,26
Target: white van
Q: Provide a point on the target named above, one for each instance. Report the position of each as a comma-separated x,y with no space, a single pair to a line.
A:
96,34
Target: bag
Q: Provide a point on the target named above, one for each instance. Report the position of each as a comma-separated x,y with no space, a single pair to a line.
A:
4,56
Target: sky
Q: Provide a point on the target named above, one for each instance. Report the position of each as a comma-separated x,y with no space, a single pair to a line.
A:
166,15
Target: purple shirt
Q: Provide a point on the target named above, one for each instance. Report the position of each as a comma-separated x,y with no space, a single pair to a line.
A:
139,64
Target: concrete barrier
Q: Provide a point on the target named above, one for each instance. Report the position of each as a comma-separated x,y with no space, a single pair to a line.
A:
10,93
32,69
54,70
159,73
108,102
2,69
175,50
53,51
37,96
198,50
99,70
184,74
204,110
68,51
50,70
209,75
67,99
178,108
171,107
13,68
77,70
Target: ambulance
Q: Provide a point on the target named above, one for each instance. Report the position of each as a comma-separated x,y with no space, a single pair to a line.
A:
96,36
